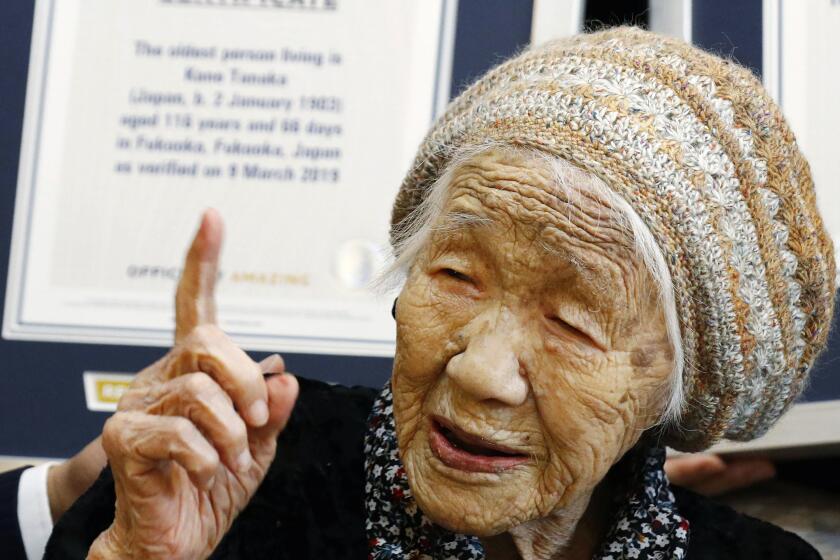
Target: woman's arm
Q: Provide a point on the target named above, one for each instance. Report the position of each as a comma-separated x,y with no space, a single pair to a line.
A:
711,475
69,480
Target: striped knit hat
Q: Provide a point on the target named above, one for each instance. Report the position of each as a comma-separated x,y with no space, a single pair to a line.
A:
702,154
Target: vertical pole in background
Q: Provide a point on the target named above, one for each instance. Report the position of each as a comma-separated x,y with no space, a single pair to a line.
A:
446,49
671,17
771,51
553,19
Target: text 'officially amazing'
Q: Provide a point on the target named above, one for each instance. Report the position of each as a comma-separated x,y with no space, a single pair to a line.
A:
282,4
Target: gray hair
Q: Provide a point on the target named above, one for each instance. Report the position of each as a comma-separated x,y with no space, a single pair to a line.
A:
414,232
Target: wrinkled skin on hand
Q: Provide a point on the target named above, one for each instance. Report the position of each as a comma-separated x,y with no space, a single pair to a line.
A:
195,434
711,475
527,320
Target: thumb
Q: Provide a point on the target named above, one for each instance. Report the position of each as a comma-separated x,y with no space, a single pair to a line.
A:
274,364
282,394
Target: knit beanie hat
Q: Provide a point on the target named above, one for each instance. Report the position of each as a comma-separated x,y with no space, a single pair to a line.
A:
703,155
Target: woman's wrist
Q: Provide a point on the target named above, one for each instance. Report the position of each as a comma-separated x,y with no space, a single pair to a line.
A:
108,546
69,480
56,482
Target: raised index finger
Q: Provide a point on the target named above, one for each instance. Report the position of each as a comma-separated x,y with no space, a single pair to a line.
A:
195,302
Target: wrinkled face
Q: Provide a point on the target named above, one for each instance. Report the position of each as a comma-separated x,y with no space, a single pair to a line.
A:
531,352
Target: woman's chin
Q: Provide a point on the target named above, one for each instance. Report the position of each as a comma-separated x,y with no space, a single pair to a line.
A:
473,503
464,519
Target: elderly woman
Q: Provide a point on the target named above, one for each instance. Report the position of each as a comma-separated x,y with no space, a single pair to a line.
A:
610,244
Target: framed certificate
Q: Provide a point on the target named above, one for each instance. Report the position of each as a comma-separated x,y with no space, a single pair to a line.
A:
296,119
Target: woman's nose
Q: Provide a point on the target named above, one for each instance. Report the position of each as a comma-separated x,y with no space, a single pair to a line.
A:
489,369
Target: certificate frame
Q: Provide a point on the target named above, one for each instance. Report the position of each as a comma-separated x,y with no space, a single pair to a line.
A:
16,325
42,382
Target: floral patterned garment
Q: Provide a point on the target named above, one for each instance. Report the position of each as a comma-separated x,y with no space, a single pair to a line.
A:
647,526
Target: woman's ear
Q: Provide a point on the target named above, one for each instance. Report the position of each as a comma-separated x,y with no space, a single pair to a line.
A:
394,308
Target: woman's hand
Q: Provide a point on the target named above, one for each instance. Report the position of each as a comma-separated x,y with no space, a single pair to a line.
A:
194,436
710,475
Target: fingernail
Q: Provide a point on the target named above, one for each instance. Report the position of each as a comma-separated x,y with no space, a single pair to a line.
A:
258,413
243,462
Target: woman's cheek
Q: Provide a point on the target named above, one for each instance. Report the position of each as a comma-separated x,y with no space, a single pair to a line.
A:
427,333
408,409
585,417
420,358
420,354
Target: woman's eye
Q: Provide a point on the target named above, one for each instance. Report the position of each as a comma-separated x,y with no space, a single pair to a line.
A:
452,273
573,331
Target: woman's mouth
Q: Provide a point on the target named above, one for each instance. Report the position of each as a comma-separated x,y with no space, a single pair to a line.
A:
460,450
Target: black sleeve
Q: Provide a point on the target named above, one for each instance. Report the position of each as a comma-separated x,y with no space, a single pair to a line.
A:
719,532
310,504
91,514
11,542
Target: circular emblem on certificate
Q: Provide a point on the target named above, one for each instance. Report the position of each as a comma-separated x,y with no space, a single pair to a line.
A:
357,262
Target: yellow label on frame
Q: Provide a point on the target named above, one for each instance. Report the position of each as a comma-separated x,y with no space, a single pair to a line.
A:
108,391
104,390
